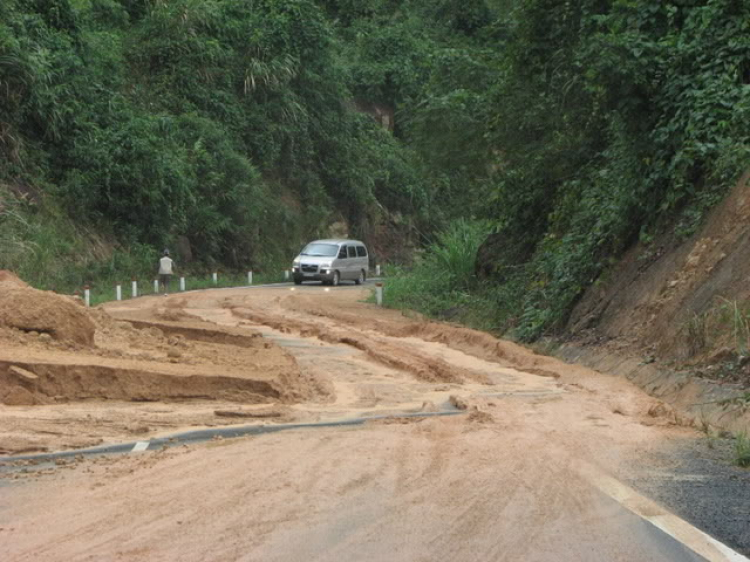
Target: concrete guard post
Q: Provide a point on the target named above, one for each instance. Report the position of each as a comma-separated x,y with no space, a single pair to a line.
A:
87,295
118,292
134,288
215,276
250,277
379,294
182,283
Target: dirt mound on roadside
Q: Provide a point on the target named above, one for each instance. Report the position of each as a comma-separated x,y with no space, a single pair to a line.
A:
48,383
8,280
31,310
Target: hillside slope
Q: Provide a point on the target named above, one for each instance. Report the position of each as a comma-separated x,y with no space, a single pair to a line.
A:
678,306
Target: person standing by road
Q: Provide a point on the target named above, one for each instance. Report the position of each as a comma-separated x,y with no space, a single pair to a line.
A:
166,268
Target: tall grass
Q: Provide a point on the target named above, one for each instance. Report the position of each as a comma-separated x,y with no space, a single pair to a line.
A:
725,324
442,281
740,325
742,450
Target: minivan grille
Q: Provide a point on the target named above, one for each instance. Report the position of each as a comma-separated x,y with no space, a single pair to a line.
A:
309,268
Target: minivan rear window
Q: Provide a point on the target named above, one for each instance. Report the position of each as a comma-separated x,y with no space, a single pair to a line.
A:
361,251
320,250
352,252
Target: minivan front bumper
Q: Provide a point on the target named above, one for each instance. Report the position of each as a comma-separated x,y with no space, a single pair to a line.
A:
325,274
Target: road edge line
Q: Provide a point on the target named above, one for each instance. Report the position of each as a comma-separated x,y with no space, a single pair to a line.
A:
680,530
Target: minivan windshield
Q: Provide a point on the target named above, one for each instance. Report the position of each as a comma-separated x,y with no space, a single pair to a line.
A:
320,250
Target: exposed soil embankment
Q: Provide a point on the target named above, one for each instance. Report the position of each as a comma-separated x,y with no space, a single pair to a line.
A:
70,376
49,383
674,306
693,400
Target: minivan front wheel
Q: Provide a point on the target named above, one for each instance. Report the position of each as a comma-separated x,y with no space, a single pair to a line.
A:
361,278
336,278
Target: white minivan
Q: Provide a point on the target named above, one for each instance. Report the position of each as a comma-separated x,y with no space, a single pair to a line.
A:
331,261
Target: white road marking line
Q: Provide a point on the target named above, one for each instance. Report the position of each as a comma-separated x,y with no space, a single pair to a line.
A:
140,446
696,540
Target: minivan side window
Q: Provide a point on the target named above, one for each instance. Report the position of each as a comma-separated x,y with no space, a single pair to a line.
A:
361,251
352,251
342,253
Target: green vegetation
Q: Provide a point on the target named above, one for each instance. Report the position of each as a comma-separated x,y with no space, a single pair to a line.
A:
239,128
577,129
220,124
441,282
742,450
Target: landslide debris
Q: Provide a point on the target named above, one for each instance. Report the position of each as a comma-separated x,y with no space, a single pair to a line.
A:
31,310
55,351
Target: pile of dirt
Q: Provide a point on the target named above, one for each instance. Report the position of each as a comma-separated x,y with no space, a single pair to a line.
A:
9,280
48,383
31,310
53,350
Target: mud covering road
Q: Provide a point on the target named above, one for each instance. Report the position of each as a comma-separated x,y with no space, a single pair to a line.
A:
510,479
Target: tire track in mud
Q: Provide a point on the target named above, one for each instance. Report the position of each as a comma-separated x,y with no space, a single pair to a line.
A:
394,356
472,342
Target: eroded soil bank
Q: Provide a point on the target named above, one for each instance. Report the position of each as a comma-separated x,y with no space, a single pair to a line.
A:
673,316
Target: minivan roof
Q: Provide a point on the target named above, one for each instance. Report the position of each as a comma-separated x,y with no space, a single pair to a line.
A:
337,241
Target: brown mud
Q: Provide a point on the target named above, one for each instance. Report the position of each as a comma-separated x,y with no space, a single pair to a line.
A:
48,378
499,482
43,312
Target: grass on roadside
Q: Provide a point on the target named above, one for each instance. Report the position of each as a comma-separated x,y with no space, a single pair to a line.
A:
742,450
442,282
105,292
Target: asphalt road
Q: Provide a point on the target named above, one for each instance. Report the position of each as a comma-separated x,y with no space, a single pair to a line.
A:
703,487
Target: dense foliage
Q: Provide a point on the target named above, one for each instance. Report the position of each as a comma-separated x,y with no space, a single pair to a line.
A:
633,117
573,129
222,121
577,128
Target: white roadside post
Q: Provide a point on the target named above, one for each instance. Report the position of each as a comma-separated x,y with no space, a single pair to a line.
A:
182,283
379,294
215,277
250,277
87,295
286,275
118,292
377,270
156,285
134,289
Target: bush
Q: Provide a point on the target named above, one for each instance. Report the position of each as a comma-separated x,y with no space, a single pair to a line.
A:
442,275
